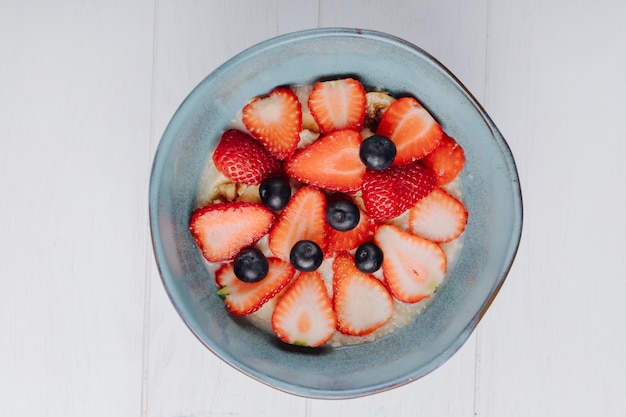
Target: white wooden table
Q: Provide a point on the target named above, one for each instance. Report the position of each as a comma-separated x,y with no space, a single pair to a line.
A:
86,90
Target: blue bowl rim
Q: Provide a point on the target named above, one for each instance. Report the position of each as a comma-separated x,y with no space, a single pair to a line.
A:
165,144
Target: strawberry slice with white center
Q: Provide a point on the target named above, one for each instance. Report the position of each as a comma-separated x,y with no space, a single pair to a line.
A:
275,120
361,302
446,161
222,230
331,162
413,267
438,217
338,104
304,218
303,314
242,298
412,128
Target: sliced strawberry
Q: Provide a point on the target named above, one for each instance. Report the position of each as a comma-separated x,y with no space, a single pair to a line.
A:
409,125
222,230
361,302
303,314
275,120
338,241
243,159
304,218
392,191
438,217
242,298
413,267
446,161
331,162
338,104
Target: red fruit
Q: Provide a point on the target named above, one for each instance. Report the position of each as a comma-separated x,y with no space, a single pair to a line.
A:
413,267
304,218
361,302
446,161
391,192
338,104
303,314
242,298
222,230
438,217
411,128
276,121
243,159
338,241
331,162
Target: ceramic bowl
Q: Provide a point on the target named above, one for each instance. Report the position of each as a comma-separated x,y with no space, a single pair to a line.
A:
489,183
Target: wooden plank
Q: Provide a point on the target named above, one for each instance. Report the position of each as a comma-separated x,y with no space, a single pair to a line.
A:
455,34
193,38
75,120
554,341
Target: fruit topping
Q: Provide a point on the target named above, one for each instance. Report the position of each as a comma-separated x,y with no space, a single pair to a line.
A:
361,302
377,152
308,122
391,192
413,267
306,256
250,265
222,230
438,217
338,104
332,162
368,257
303,314
446,161
304,218
411,127
329,172
337,241
377,104
275,120
243,159
342,214
242,298
275,193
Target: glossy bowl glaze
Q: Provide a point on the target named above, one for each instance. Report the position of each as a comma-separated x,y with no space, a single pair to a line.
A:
489,182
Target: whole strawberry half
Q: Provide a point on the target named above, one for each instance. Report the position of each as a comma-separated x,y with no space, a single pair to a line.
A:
392,191
411,127
331,162
222,230
243,159
275,120
446,161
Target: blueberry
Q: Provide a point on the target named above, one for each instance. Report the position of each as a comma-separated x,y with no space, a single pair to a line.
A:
343,215
275,193
306,256
368,257
377,152
251,265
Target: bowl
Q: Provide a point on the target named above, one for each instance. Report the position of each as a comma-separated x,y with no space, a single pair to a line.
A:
489,183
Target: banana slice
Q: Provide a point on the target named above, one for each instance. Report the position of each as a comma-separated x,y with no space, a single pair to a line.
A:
377,104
